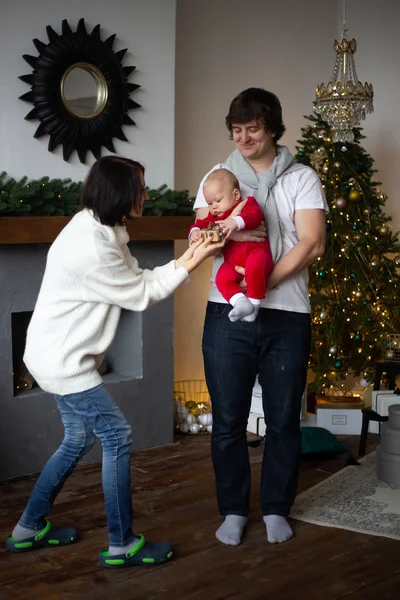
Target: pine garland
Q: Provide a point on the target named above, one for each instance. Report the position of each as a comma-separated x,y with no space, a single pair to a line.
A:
60,197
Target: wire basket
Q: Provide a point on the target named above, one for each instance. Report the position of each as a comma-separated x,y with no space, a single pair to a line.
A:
192,407
393,347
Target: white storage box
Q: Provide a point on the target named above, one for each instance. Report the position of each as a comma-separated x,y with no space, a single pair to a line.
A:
340,417
256,423
256,400
381,400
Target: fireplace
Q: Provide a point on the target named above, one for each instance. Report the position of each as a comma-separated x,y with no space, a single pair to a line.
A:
22,380
140,364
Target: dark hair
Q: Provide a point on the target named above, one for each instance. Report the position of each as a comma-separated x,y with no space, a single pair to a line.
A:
256,103
112,189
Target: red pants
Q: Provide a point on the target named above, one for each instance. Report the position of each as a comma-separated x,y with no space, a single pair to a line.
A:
256,259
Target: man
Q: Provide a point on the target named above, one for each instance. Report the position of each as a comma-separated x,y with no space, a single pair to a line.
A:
276,345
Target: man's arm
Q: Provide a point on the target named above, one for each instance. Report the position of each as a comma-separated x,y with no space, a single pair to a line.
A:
311,232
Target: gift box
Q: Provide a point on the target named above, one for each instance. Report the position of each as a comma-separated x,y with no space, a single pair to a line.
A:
256,423
340,414
381,400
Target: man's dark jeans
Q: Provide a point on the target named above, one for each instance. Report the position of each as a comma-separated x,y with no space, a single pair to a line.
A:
276,347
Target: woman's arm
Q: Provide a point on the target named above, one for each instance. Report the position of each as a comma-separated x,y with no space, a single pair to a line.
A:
114,282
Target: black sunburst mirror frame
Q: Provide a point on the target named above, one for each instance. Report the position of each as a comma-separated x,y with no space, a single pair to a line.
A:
55,58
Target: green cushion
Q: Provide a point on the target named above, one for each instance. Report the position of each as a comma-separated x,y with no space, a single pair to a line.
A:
317,440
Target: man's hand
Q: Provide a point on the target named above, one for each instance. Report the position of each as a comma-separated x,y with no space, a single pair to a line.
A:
252,235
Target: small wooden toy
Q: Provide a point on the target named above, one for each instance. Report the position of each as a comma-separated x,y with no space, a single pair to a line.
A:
214,231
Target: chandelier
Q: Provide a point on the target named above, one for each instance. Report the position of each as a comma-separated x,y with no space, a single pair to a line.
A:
344,101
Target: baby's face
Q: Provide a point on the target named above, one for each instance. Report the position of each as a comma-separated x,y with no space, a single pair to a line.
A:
220,196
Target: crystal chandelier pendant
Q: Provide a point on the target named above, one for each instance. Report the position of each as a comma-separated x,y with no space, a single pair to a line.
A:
344,101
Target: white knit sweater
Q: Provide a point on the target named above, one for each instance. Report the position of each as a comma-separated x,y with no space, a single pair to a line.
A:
90,275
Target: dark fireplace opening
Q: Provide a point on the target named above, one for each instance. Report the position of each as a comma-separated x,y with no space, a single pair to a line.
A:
19,325
123,360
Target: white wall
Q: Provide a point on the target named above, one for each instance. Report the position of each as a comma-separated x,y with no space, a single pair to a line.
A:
225,46
146,28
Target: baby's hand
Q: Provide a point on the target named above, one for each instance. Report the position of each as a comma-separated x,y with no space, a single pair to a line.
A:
195,236
228,226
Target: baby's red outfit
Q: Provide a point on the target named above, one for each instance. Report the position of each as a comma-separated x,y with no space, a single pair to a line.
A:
255,257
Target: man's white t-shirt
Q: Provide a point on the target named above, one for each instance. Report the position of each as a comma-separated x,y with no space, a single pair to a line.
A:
296,190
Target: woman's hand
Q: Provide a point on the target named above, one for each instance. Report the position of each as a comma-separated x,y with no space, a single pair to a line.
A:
253,235
195,236
197,253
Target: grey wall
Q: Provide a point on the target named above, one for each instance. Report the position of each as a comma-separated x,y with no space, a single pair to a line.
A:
142,356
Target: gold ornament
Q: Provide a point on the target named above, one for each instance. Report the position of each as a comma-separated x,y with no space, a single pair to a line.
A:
354,195
323,315
337,164
325,168
357,237
383,230
190,404
203,408
358,294
382,196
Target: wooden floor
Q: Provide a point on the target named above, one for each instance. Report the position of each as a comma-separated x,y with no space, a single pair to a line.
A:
174,500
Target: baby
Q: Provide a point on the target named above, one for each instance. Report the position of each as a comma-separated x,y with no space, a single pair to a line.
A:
227,208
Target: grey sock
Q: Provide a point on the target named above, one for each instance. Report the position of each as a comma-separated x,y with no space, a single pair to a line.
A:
278,529
242,308
252,316
114,550
231,530
23,533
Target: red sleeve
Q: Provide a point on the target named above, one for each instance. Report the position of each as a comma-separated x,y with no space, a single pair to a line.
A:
203,223
251,214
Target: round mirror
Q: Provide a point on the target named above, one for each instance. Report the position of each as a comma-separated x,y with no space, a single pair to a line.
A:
84,90
70,84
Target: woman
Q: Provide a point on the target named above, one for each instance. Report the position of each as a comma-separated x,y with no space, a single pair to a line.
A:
90,276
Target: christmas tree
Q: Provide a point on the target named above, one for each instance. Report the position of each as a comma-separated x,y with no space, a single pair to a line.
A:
354,286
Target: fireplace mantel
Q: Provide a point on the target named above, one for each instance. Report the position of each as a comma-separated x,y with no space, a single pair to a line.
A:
44,230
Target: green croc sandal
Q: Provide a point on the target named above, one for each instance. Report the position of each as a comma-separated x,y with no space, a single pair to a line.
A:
142,554
47,537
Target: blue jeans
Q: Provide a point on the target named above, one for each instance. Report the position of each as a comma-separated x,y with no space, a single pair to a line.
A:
276,347
86,415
